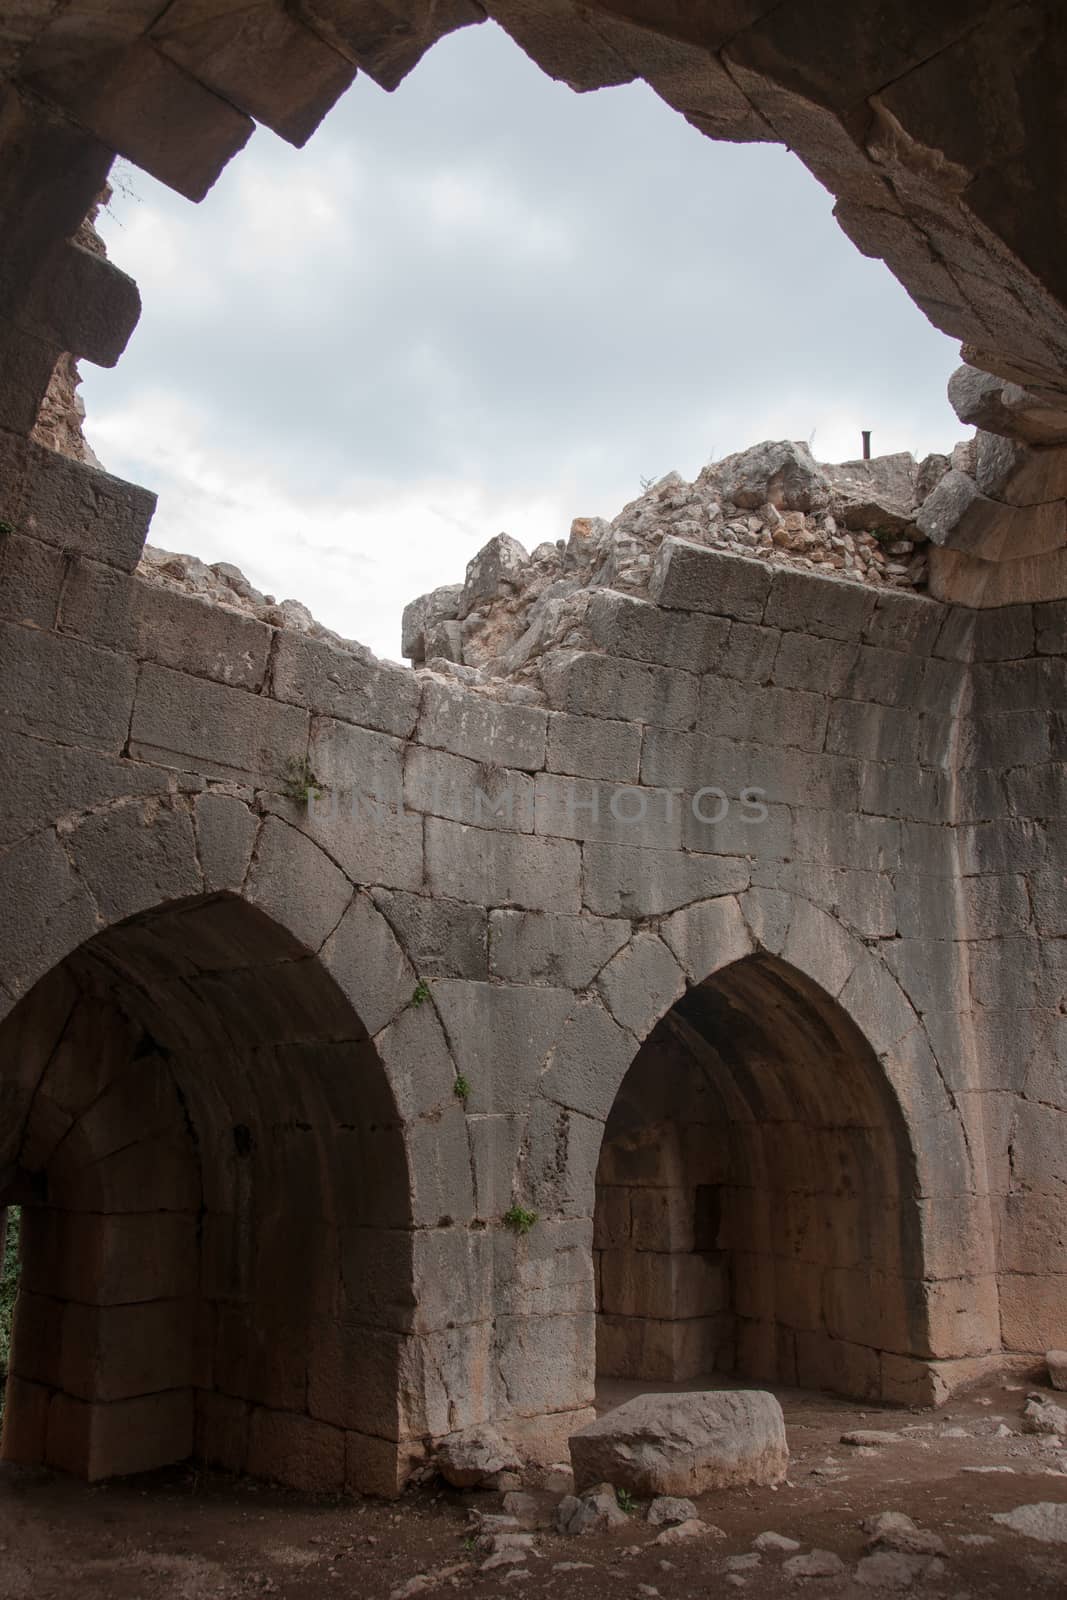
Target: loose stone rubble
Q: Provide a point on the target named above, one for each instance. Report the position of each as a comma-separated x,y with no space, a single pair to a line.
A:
223,584
772,502
597,1507
666,1509
1044,1416
474,1458
892,1530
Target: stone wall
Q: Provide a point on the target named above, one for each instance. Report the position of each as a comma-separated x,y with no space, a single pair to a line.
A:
392,944
1013,883
380,947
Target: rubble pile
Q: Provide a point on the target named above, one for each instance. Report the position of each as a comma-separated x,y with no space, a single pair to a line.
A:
773,502
516,609
223,584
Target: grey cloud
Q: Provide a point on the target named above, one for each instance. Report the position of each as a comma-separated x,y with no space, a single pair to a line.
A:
687,290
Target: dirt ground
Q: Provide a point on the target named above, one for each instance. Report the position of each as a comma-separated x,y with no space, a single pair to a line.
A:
190,1535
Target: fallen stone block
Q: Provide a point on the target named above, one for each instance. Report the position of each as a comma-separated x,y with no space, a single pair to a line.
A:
685,1444
466,1460
1056,1361
1043,1416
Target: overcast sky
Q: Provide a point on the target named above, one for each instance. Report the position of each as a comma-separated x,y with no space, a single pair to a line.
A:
484,303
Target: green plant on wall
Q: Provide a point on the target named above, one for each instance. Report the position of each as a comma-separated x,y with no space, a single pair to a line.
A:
300,783
519,1220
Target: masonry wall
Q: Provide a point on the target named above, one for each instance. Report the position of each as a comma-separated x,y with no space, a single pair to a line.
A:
1013,883
541,898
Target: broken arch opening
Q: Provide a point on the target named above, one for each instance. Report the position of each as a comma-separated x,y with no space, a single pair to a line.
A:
755,1206
215,1209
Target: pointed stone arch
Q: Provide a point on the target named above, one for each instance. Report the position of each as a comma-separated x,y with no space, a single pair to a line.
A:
239,1152
892,1316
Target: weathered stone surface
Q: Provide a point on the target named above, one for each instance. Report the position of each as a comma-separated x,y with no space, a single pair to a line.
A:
367,960
892,1530
593,747
815,1564
443,938
777,1542
1043,1416
66,689
1045,1521
624,626
671,1444
309,672
31,576
628,814
896,1570
986,401
137,856
501,1035
532,947
493,868
597,1508
641,983
51,911
468,791
622,880
598,685
687,577
667,1509
182,721
782,474
800,600
422,616
1019,474
494,572
225,831
482,729
1056,1361
73,506
467,1460
153,624
271,66
588,1062
708,935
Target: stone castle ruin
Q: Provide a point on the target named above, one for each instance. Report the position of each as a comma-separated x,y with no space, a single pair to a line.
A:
666,973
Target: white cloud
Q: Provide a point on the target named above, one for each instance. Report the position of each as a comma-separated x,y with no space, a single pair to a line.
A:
484,303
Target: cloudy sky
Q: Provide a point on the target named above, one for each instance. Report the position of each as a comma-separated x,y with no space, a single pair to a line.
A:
484,303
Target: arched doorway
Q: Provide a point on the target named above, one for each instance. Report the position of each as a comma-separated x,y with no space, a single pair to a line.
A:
216,1236
755,1201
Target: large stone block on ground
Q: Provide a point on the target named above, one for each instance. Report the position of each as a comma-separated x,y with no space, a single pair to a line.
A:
684,1444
